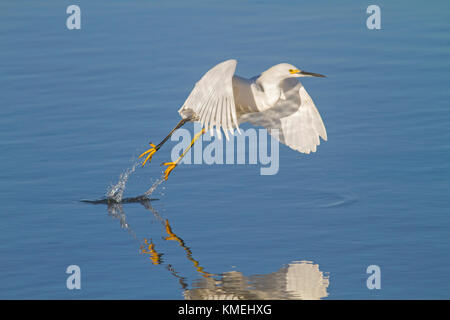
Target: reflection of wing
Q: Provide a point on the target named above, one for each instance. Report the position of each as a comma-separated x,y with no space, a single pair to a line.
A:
305,281
296,118
211,101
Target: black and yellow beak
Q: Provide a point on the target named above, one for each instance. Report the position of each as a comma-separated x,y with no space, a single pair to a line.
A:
306,73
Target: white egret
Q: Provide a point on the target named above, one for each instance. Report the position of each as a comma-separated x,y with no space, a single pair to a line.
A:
275,99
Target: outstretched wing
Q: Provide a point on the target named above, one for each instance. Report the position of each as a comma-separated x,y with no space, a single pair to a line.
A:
211,102
302,129
296,119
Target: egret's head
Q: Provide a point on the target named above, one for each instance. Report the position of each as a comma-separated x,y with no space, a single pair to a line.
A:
286,70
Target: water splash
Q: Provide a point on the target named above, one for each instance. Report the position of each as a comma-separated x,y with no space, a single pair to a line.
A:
154,186
116,191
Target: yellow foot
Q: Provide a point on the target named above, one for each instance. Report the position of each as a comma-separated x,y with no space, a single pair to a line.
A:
172,236
149,154
170,167
154,255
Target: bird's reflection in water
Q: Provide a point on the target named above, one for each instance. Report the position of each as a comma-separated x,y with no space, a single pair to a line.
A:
149,248
115,210
297,280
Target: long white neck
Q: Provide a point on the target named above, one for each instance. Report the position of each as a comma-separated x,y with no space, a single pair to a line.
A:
268,94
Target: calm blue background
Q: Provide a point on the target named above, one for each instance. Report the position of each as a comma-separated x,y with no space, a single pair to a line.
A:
78,106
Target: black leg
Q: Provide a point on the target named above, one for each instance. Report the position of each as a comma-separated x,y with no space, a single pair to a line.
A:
178,126
154,148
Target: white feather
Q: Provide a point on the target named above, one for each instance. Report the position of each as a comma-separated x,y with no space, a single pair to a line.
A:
296,117
211,101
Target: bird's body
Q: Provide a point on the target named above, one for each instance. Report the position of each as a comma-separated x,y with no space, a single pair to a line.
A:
243,92
275,99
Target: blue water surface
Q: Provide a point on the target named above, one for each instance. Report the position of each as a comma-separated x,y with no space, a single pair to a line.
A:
78,106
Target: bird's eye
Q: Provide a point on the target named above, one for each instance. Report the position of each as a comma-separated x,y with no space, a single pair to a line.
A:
291,70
